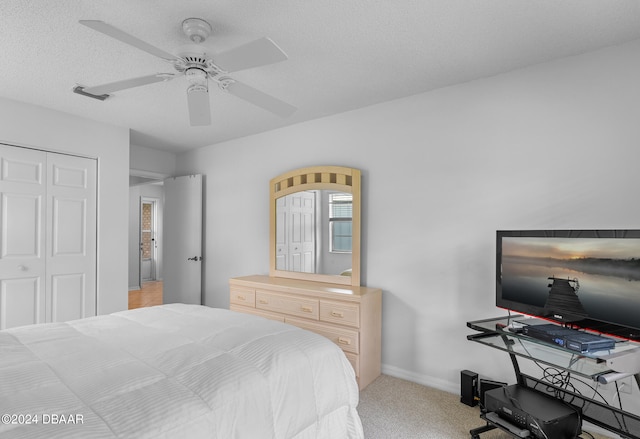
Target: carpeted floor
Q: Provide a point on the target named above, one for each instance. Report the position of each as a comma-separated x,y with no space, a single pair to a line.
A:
391,408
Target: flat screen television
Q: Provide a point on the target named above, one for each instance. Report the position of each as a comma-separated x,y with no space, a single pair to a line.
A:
585,278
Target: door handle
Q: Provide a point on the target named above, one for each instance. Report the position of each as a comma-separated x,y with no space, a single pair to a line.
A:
195,258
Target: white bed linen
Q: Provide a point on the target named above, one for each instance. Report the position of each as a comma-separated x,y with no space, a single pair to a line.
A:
175,371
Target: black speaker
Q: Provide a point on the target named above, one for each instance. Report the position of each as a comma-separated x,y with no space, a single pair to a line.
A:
468,388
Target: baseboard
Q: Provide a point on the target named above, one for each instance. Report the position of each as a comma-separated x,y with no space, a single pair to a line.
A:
425,380
135,287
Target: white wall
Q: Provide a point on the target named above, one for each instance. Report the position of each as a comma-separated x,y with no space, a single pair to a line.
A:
153,161
28,125
553,146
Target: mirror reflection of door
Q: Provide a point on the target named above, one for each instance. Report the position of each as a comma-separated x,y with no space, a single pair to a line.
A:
296,232
148,239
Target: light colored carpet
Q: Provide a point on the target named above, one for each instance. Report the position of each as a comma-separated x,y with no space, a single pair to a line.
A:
391,408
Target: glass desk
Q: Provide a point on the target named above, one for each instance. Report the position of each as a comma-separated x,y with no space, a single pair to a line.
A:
497,333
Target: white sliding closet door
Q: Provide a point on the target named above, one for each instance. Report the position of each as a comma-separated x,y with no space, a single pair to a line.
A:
71,237
23,189
47,237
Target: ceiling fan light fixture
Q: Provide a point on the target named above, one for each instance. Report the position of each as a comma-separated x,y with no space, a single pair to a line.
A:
197,88
196,29
196,77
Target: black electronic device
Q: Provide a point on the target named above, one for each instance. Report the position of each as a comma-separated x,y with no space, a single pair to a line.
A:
487,385
469,388
525,409
588,278
569,338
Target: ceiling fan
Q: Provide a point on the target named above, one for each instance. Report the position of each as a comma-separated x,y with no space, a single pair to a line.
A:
198,67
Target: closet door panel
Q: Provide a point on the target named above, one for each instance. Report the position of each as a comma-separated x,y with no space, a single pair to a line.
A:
21,302
71,228
20,166
21,226
22,236
68,297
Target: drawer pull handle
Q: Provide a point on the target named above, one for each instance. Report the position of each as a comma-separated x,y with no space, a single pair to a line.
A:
307,309
264,302
344,340
241,298
337,314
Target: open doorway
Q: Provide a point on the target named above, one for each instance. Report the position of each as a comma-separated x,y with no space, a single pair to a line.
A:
150,291
145,242
148,239
154,221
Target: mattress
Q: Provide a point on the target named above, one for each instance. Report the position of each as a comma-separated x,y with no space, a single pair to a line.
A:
174,371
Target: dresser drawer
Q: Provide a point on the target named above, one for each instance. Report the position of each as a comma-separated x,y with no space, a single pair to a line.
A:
257,312
347,339
340,313
355,362
243,296
296,306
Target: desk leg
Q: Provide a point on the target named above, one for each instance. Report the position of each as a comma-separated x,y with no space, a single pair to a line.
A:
475,433
508,342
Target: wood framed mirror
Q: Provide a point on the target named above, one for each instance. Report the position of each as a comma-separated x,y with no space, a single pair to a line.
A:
315,225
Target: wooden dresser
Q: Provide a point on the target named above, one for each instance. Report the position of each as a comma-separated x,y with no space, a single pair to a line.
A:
349,316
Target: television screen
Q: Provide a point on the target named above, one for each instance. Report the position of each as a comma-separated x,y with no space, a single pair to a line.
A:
587,278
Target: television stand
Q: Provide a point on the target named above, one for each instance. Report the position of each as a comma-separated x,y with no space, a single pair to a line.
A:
602,367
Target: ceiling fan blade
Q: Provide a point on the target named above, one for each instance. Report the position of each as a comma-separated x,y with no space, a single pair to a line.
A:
262,100
113,32
199,108
128,83
256,53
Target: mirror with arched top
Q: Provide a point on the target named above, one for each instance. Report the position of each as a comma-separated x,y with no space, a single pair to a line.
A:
315,225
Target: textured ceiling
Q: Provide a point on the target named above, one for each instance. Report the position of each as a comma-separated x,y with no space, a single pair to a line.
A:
343,55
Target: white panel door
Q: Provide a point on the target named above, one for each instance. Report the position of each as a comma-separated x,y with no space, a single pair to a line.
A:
22,235
48,237
308,235
296,232
71,237
282,225
301,232
182,237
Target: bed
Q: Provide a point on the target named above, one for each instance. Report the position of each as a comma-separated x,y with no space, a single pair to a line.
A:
174,371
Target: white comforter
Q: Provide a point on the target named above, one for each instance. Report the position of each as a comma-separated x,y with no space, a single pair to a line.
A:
174,371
